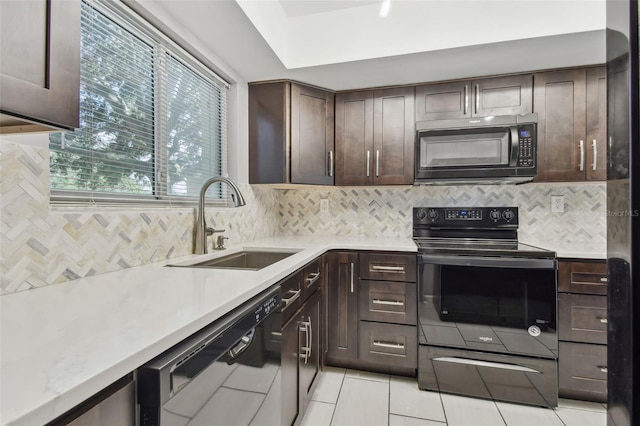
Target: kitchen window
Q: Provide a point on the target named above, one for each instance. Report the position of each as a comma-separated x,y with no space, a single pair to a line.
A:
152,118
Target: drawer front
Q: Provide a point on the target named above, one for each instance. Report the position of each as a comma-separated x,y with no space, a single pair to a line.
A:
388,266
388,301
582,318
388,344
582,277
583,371
291,295
311,278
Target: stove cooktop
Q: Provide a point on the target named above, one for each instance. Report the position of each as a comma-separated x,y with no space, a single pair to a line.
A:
476,247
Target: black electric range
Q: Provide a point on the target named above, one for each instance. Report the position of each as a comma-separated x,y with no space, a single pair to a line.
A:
487,306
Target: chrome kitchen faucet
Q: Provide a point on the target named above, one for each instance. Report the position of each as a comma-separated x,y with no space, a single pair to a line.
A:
201,231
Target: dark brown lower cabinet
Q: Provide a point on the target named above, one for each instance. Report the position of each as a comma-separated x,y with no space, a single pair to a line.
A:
371,323
341,296
388,344
301,346
289,372
582,329
309,321
583,371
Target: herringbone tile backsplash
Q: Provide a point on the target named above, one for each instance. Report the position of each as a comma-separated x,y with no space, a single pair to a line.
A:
386,211
41,245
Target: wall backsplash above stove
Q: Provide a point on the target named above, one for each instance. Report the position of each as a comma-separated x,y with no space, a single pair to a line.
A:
386,211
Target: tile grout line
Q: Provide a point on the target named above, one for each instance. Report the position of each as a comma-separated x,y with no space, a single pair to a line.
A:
335,406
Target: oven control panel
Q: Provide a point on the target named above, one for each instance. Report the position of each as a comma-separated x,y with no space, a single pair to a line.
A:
475,217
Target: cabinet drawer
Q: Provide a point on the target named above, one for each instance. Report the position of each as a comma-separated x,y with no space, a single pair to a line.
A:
311,278
582,318
291,295
388,266
582,277
388,344
388,301
582,371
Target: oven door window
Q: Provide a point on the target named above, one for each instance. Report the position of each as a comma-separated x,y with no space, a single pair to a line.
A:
506,297
459,148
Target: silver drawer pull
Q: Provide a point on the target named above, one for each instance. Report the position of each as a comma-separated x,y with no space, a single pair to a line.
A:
387,268
490,364
603,320
276,333
288,300
312,278
603,368
388,345
604,279
388,302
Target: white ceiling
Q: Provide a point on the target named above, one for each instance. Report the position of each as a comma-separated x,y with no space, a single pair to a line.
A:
335,44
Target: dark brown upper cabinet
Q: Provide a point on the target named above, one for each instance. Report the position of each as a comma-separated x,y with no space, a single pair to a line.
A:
571,107
477,98
290,134
375,137
39,65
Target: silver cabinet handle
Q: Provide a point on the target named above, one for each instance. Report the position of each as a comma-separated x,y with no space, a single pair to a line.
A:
377,162
466,99
289,300
604,279
312,278
306,349
604,320
581,155
331,163
388,302
603,368
388,345
387,268
352,273
595,154
368,162
276,333
477,97
610,151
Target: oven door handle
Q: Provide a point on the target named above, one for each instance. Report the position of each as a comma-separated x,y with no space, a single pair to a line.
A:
490,262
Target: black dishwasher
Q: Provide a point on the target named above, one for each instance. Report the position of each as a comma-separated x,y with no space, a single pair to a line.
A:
226,374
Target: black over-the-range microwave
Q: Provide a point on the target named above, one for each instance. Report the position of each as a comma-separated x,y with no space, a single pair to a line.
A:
498,149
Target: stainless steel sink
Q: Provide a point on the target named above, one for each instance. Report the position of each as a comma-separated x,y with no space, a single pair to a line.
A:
248,259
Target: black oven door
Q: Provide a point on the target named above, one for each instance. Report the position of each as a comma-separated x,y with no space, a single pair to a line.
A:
495,304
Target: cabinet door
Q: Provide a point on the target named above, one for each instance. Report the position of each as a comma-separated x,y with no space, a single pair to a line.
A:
582,371
312,145
341,301
289,372
596,163
354,138
559,100
503,95
583,277
310,348
40,61
269,133
393,136
443,100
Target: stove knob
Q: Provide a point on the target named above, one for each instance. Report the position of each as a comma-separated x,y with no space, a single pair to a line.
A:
508,215
494,215
421,214
433,214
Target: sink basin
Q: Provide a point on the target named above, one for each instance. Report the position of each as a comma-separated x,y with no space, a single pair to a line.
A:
248,259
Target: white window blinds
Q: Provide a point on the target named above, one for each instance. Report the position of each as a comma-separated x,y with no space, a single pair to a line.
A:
152,118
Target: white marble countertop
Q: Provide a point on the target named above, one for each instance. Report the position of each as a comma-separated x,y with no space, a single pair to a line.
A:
65,342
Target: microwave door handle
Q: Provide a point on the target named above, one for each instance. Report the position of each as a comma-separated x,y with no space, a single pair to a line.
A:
515,146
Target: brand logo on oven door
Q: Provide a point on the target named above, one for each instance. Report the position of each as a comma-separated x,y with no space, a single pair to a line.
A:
486,338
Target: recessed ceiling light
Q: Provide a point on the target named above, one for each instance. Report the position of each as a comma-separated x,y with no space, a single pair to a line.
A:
385,7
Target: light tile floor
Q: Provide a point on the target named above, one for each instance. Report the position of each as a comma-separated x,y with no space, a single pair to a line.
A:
354,398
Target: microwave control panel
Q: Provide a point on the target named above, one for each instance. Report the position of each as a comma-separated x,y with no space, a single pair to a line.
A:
526,156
